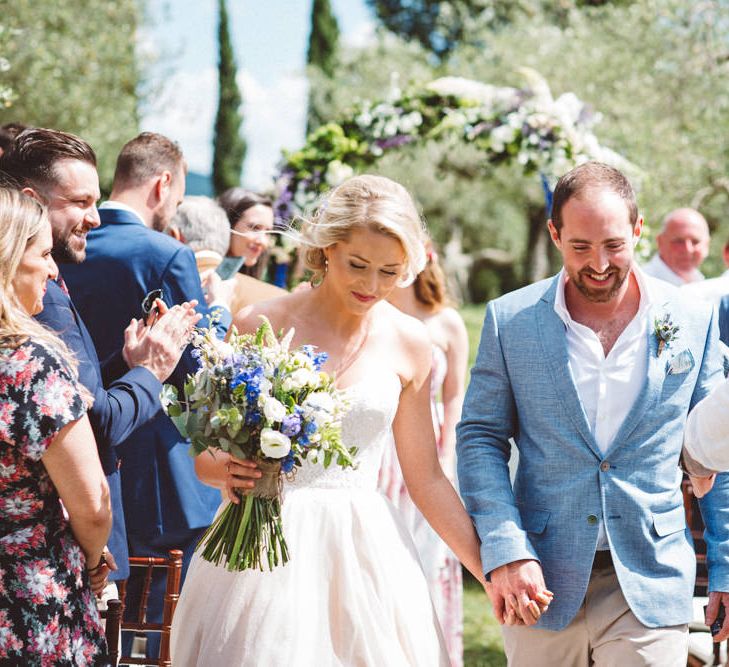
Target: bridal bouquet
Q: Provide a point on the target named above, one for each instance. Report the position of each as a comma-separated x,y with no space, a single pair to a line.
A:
255,398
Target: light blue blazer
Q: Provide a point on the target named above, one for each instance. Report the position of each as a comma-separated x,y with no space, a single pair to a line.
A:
522,387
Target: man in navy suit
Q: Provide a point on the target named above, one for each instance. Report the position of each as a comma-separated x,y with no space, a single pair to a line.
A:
59,169
165,504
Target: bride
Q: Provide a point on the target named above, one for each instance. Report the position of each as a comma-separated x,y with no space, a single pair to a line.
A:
353,592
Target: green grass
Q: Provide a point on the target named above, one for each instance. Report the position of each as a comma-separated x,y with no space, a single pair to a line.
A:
482,645
473,315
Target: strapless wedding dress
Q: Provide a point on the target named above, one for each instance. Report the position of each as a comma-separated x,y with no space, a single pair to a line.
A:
353,592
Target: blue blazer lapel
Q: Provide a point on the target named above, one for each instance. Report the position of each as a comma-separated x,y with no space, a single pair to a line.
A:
554,348
648,396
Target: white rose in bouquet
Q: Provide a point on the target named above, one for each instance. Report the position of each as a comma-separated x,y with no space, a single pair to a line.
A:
300,378
273,409
319,401
274,444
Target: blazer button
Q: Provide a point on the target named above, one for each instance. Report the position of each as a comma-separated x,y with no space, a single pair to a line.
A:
604,466
591,519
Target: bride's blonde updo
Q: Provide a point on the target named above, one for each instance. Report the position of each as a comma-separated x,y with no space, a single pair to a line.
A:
365,201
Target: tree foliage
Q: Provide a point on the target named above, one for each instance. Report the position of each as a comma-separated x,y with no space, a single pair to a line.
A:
442,26
229,147
654,69
322,52
72,70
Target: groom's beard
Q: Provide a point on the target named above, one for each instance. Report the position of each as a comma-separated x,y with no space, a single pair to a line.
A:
615,279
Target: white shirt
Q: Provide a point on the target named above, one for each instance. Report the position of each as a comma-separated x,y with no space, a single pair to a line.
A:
711,290
657,268
607,386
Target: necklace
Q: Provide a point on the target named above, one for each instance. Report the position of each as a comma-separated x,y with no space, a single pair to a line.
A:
347,361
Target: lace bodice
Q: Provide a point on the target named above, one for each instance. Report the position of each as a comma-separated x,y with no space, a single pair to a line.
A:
368,426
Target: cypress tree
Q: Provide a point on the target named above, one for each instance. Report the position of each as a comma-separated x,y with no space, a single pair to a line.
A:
229,147
322,52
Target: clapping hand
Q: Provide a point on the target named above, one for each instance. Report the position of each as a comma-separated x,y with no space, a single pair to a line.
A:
518,593
158,348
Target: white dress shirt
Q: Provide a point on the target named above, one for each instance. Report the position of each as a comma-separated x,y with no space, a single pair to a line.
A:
711,290
607,386
657,268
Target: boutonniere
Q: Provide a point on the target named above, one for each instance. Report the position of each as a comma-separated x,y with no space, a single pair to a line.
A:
665,331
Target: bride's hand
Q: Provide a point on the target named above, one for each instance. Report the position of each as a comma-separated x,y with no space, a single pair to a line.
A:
240,474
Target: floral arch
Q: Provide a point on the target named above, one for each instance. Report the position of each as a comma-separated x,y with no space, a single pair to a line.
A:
525,125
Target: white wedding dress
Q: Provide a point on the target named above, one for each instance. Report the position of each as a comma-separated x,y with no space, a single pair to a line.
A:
353,592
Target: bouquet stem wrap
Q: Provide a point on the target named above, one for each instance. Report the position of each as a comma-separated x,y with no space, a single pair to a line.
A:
248,534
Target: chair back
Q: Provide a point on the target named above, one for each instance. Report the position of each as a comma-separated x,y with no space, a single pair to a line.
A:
115,614
112,616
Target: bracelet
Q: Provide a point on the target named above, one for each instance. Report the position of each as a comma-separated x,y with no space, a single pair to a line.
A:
102,561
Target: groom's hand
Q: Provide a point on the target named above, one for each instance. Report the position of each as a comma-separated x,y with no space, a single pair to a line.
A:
520,583
712,610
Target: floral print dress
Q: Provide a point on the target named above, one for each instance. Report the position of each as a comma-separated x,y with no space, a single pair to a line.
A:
48,615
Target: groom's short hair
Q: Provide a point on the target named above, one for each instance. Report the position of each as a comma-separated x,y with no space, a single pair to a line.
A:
592,176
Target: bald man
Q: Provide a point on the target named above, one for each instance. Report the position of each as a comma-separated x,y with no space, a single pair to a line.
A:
683,244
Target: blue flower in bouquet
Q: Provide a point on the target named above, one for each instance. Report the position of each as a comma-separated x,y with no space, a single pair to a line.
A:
317,358
310,428
291,425
287,463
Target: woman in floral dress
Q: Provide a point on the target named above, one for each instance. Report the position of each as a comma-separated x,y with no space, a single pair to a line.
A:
48,462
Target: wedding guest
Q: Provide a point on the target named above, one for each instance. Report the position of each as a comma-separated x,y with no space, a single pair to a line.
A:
59,169
127,258
683,244
203,225
713,289
426,300
584,373
353,592
251,220
50,564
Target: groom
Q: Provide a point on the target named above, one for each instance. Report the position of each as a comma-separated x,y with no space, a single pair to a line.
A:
577,372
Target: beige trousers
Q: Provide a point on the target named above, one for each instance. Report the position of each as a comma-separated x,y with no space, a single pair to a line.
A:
604,633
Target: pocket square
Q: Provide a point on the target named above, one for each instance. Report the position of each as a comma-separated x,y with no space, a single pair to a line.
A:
682,362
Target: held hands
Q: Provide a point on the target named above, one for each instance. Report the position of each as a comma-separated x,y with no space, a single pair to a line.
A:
518,593
158,347
98,576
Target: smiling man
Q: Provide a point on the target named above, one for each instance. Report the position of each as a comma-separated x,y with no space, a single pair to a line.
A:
59,169
574,370
166,506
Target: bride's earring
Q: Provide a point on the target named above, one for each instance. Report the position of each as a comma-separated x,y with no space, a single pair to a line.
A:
315,282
